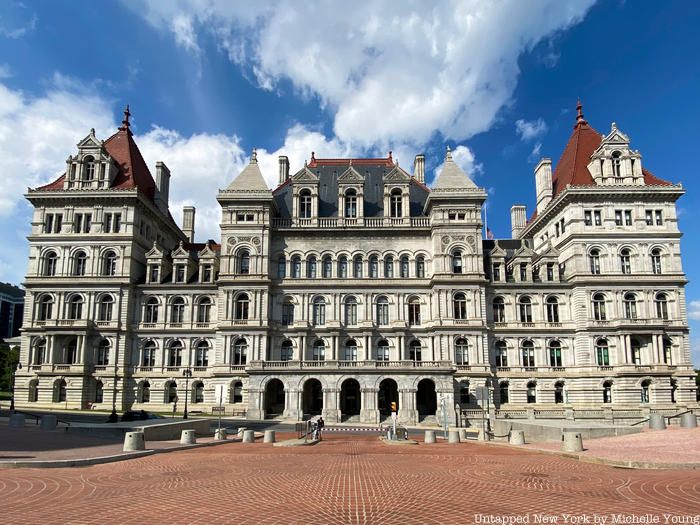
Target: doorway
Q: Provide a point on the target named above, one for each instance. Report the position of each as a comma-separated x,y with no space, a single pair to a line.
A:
274,398
426,398
312,402
388,393
350,400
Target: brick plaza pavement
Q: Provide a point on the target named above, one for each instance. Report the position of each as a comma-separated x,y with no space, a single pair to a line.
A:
344,479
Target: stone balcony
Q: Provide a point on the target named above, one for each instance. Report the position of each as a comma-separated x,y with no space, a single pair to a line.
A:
351,223
443,366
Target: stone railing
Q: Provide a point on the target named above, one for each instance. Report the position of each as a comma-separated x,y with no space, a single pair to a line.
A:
352,222
297,365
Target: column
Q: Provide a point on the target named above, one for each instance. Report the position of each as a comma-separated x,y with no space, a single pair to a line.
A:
656,356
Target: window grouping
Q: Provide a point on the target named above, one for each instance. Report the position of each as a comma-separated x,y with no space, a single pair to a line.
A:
357,267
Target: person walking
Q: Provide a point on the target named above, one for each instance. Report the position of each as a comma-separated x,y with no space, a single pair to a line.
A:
320,424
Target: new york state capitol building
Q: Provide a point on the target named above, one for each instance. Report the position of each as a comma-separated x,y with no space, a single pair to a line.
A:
352,285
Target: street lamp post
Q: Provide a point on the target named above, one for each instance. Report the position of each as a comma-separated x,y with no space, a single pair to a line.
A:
188,374
16,366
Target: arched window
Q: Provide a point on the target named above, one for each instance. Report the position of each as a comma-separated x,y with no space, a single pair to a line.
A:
414,351
40,351
420,267
281,267
616,164
152,310
461,351
240,352
357,267
296,267
351,204
319,351
555,353
244,262
343,267
667,351
373,267
88,168
503,392
75,307
109,264
286,351
599,307
33,391
552,310
629,303
319,311
59,391
594,261
171,392
527,351
559,392
105,307
382,311
636,350
50,263
350,350
202,354
311,267
177,310
501,351
79,263
656,261
413,312
327,267
403,267
457,262
70,351
499,310
645,391
198,392
288,312
305,204
145,392
45,308
99,392
350,311
625,262
103,353
532,392
241,307
459,305
389,266
396,203
149,354
204,310
607,392
175,354
602,353
525,309
661,301
237,392
383,350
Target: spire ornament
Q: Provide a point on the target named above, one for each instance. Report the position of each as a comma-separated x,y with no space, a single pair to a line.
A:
579,114
125,122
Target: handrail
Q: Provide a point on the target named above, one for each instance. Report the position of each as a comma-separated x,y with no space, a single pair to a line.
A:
639,422
37,418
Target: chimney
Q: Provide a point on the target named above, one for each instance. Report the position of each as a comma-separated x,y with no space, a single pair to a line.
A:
517,220
284,168
419,168
188,222
543,182
162,186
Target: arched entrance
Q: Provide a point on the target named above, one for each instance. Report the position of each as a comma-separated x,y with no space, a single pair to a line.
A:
388,393
274,398
312,402
426,398
350,400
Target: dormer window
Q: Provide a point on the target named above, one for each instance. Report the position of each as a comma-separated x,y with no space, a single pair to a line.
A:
351,204
523,271
180,273
206,273
154,273
616,164
88,169
396,203
496,274
305,204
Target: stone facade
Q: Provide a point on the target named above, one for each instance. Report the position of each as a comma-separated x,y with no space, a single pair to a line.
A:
352,286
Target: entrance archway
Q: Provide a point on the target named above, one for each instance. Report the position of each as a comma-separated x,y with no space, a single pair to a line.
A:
274,398
350,400
312,402
388,393
426,398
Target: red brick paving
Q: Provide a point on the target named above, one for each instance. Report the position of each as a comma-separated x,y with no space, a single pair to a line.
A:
341,480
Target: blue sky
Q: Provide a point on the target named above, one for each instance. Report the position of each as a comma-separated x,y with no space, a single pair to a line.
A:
208,81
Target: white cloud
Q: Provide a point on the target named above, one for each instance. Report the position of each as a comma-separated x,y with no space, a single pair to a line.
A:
391,72
529,130
535,153
694,310
464,158
16,19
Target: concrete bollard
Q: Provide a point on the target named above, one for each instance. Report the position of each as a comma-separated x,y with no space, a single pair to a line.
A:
16,420
48,422
188,437
463,434
134,441
689,421
239,433
516,437
429,436
657,422
220,434
269,436
483,435
248,436
453,436
571,442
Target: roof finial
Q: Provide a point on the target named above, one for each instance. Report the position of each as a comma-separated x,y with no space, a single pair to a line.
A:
125,122
579,114
313,156
448,153
350,164
390,152
254,156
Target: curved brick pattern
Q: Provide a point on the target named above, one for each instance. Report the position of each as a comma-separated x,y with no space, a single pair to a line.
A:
339,481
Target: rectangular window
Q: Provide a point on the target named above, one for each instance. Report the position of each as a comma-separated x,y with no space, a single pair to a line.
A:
496,272
618,217
563,226
587,218
523,271
240,217
596,218
556,228
180,273
659,217
649,217
249,217
287,314
53,223
107,223
628,218
414,314
154,273
550,271
206,273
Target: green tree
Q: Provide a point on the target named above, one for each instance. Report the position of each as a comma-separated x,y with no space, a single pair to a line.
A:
8,358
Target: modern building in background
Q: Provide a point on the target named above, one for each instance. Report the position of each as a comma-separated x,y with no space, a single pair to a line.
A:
11,310
353,285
